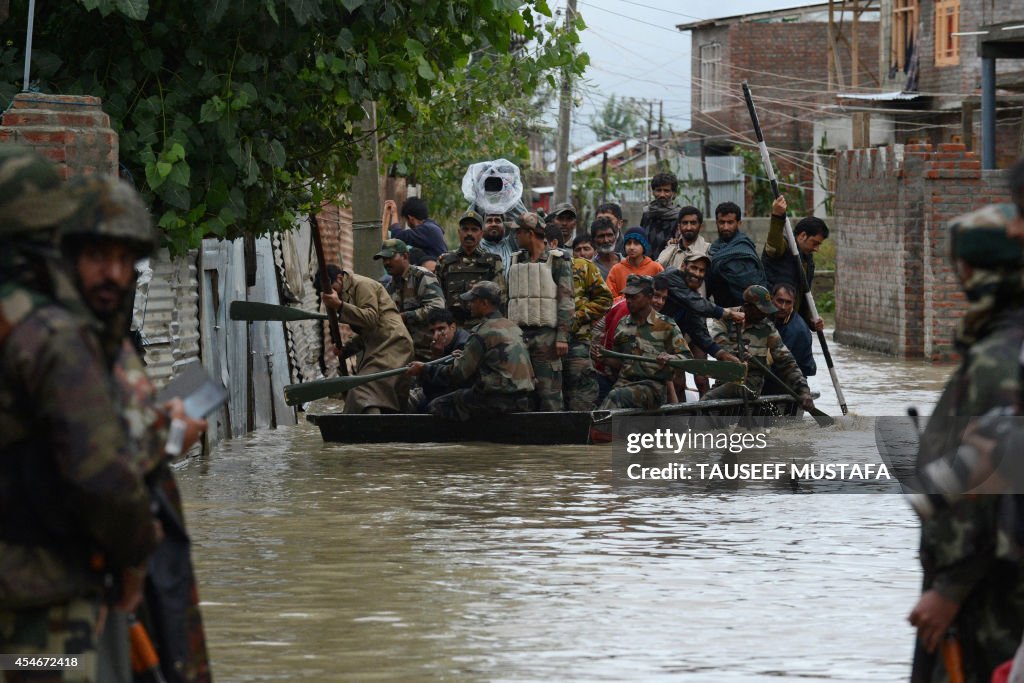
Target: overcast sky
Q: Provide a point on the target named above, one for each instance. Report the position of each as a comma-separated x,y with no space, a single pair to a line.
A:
636,51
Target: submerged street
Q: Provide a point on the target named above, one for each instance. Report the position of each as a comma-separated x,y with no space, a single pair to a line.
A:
331,562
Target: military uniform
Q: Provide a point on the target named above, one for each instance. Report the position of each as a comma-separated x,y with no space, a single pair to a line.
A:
529,291
497,358
73,508
967,553
458,271
416,294
759,340
593,298
642,385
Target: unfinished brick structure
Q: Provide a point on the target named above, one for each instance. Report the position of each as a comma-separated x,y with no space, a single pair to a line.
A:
896,289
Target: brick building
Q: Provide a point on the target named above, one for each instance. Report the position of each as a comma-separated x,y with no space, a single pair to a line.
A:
931,74
784,55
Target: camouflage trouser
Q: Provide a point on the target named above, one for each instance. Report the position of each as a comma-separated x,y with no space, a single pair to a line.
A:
646,393
66,629
547,367
579,379
750,389
464,404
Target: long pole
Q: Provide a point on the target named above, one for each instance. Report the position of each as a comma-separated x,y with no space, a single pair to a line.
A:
325,286
791,241
564,121
28,43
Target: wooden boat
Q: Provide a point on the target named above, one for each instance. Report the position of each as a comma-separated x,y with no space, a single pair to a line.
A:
565,428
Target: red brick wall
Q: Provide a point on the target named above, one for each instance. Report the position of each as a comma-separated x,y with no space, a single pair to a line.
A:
896,290
71,131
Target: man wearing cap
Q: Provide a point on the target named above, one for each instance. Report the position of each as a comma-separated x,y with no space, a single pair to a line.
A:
415,291
973,587
495,359
540,301
759,339
497,240
459,270
364,305
75,515
637,261
565,218
643,332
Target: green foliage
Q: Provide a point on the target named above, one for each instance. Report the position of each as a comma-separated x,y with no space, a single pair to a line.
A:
233,116
826,302
825,259
617,120
761,190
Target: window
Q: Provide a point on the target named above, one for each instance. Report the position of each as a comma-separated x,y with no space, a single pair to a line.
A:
947,22
904,32
710,77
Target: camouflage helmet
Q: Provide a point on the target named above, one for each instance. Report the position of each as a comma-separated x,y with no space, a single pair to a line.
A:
980,238
111,209
32,195
758,297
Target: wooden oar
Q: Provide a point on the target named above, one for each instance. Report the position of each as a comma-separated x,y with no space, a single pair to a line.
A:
822,418
720,370
254,310
294,394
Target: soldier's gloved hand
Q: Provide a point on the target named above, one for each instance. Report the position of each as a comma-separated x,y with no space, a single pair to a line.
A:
561,348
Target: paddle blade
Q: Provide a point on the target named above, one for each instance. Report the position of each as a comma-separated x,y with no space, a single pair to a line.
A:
255,310
723,371
296,394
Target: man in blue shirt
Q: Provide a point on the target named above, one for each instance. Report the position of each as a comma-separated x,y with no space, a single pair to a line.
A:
423,232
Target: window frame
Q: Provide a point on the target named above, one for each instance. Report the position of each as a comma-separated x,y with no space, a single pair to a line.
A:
710,76
947,22
905,20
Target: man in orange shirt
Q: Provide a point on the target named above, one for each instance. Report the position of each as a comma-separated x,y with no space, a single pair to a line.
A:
636,262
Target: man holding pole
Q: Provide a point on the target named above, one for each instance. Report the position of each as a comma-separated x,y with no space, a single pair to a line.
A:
782,266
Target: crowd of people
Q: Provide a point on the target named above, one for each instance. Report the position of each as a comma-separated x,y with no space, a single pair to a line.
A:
573,294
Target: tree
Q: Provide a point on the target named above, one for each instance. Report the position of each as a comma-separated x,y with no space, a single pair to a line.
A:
236,115
617,120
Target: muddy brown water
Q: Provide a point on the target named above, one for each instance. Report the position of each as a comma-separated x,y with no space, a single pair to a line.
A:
329,562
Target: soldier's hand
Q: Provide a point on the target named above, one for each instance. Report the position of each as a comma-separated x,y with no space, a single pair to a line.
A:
415,368
819,325
735,314
561,348
331,300
932,616
663,359
724,355
779,206
807,402
596,351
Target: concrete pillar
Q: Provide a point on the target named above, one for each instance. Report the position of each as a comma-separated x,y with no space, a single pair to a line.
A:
988,113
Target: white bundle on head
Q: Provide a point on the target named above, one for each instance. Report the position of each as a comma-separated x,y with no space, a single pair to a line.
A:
494,187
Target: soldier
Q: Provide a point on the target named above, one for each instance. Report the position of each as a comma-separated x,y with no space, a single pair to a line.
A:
593,299
643,332
366,306
973,588
759,338
101,243
540,301
459,270
415,291
495,357
74,514
564,216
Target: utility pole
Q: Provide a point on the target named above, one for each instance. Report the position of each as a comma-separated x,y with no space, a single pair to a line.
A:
365,195
562,188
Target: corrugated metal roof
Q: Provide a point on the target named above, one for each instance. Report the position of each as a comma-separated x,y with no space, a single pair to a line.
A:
893,96
170,327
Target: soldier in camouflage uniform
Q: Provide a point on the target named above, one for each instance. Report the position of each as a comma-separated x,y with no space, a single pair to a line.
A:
541,302
973,587
643,332
415,291
101,243
495,357
459,270
74,513
593,299
760,338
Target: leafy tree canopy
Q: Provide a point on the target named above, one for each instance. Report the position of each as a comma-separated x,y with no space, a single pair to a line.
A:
233,115
618,119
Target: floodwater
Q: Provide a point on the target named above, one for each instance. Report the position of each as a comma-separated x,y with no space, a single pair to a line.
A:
474,562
